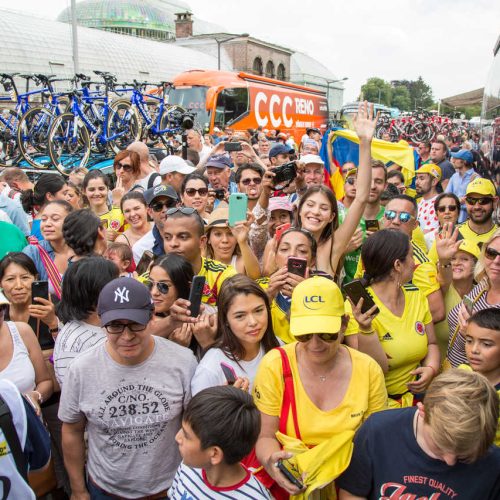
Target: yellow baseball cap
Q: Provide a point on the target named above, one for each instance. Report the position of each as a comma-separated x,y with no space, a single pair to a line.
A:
317,307
471,247
481,186
431,169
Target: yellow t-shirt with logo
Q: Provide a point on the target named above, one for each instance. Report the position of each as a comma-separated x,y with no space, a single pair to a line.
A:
424,275
365,395
114,220
215,274
468,234
403,338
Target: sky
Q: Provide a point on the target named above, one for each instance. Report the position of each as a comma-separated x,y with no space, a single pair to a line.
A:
447,42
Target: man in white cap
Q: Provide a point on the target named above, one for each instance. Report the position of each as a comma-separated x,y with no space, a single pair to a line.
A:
314,170
173,169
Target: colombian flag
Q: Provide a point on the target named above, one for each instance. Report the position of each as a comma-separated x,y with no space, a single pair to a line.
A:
345,146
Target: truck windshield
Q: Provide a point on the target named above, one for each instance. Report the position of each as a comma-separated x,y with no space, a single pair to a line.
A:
193,99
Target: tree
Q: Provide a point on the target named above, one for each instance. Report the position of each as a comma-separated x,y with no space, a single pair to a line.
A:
401,98
377,90
420,94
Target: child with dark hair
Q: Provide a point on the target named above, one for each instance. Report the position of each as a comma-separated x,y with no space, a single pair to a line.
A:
220,426
482,348
121,255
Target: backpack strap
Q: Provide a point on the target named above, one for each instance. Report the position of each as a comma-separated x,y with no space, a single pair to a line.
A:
53,273
12,439
152,179
288,396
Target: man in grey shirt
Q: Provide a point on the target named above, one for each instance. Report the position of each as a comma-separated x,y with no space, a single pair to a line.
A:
129,394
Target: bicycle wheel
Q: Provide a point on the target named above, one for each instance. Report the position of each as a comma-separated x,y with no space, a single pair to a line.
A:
123,125
68,143
32,135
9,151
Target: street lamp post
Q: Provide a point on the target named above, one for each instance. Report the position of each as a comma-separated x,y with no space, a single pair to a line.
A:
224,40
74,32
330,82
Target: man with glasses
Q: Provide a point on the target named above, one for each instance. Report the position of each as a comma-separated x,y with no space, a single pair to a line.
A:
158,199
128,394
401,215
480,201
173,169
184,234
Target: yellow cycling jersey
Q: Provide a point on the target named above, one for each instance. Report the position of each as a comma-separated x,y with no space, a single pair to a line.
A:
403,338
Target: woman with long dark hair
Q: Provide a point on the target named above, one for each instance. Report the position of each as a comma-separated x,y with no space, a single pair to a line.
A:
135,211
244,335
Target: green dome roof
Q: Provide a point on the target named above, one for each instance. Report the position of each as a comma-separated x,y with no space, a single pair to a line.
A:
107,14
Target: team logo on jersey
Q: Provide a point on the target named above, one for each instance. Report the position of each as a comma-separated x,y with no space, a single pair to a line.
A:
115,225
419,328
387,336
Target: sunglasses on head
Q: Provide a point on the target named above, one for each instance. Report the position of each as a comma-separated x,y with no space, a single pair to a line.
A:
351,180
162,287
451,208
193,191
182,210
158,206
404,217
491,253
125,166
326,337
481,201
255,180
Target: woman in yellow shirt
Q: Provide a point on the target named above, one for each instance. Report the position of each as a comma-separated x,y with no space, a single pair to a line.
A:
400,336
335,388
96,189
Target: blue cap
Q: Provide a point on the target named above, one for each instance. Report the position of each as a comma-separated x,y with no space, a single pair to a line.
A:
280,149
219,161
463,154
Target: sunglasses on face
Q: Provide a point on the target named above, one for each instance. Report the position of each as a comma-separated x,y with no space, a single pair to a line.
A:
481,201
491,253
325,337
255,180
404,217
158,206
125,166
193,191
351,180
162,287
118,328
450,208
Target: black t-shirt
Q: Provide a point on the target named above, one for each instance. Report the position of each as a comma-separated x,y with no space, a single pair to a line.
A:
387,463
44,336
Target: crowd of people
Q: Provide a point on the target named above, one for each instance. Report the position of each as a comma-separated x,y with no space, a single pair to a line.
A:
347,343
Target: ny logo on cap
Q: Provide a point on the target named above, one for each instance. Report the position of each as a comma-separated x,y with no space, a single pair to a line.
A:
121,294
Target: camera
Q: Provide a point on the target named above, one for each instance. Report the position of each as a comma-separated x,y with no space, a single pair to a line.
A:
284,175
220,194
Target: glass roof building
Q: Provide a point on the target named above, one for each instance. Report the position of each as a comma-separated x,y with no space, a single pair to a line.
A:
151,19
30,44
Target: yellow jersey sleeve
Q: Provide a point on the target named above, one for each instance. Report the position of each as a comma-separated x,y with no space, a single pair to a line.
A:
268,385
425,278
433,254
417,237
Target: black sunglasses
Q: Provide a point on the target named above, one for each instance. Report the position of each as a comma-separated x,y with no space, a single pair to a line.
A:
193,191
182,210
491,253
481,201
326,337
125,167
451,208
256,180
163,288
158,206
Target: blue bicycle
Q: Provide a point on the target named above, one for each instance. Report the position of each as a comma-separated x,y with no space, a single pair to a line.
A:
74,134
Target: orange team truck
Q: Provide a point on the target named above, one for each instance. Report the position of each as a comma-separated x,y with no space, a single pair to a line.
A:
242,101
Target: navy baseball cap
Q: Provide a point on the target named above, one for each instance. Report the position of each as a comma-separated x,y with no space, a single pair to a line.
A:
463,154
280,149
219,161
125,298
161,190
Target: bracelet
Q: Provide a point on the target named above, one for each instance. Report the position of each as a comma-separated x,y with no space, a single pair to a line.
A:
54,330
432,368
444,266
40,397
371,332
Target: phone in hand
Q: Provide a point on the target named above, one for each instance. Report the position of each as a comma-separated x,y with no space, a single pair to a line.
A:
232,146
238,204
281,229
297,266
39,289
229,373
294,480
372,225
355,291
144,262
469,304
196,294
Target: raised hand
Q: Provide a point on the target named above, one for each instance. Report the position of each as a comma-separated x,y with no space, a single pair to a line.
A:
364,122
446,242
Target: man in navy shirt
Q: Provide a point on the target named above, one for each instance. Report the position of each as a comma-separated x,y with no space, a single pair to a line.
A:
441,450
